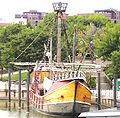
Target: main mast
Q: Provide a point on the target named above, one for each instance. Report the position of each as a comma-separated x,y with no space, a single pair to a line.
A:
59,8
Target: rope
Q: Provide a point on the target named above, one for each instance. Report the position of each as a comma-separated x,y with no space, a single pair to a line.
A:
89,49
46,50
26,48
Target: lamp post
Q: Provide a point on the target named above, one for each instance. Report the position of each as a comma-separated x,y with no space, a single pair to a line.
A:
59,8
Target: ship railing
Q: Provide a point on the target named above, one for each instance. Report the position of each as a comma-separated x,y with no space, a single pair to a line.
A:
36,100
61,75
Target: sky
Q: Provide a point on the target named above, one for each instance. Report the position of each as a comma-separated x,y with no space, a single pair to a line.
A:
8,8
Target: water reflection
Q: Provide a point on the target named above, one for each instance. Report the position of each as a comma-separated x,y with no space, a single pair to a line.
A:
10,110
5,105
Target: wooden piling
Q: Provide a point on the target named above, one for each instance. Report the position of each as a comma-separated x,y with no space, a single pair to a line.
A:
19,89
99,95
114,95
27,99
14,91
22,93
9,85
6,92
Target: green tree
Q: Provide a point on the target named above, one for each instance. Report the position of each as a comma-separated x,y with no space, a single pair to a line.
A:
108,47
9,42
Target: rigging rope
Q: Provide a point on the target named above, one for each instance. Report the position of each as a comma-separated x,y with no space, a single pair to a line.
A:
68,53
46,50
26,47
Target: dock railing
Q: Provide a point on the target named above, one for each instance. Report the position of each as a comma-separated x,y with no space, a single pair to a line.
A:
107,98
14,91
105,94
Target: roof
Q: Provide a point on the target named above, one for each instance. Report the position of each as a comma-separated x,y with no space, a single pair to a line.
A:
57,64
111,113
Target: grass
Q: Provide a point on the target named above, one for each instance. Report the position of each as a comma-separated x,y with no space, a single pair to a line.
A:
14,77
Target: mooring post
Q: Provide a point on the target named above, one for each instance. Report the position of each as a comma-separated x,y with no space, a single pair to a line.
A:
22,94
99,94
9,85
28,82
14,93
114,92
19,89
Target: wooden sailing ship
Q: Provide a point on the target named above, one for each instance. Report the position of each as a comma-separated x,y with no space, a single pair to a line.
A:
59,89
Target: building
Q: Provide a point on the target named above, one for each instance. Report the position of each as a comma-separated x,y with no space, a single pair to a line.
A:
111,14
86,14
33,16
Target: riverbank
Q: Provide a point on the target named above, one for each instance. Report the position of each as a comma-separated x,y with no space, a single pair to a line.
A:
14,75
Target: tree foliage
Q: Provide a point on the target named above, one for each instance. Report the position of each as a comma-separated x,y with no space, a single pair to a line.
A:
109,47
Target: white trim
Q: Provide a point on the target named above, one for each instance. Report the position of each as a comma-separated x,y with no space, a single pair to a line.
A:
83,102
69,102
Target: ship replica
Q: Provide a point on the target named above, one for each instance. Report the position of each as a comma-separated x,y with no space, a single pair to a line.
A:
59,88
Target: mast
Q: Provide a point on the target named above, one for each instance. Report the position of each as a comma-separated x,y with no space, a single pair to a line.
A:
59,39
74,45
59,8
51,57
51,48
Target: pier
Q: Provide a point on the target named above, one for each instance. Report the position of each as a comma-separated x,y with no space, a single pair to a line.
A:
14,91
107,98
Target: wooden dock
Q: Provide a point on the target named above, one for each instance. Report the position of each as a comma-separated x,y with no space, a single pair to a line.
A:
14,94
107,98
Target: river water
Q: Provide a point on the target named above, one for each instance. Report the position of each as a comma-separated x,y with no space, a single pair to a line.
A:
10,110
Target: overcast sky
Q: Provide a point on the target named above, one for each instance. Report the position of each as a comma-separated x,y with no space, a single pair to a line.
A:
8,8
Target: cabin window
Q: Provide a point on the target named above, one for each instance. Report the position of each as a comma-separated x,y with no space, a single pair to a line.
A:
41,92
82,81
